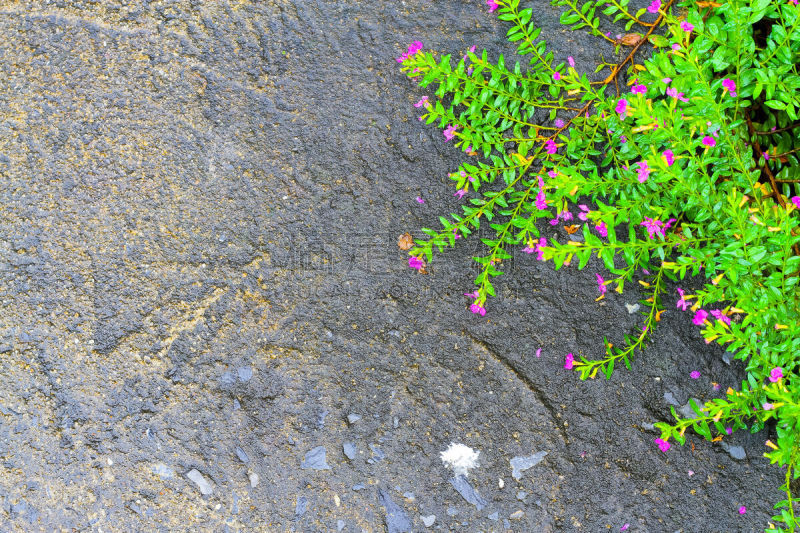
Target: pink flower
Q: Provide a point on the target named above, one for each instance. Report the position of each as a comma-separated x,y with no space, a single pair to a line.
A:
729,431
656,227
601,229
729,86
550,146
662,444
673,92
682,303
492,5
449,132
477,309
669,157
601,284
685,26
675,47
709,141
666,80
413,48
420,200
583,214
775,374
721,317
556,75
541,200
460,193
415,263
538,352
571,61
767,406
793,2
622,108
640,88
643,171
625,527
559,123
699,317
423,102
539,249
695,374
796,201
474,294
742,509
654,6
569,361
552,173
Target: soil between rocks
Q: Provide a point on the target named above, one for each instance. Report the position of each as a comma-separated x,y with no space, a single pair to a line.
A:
200,281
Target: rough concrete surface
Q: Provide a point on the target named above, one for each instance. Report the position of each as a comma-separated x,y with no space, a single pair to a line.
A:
200,283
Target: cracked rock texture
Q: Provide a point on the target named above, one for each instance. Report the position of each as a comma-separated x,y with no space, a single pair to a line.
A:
199,277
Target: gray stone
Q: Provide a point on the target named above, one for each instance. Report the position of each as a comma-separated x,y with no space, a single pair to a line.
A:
452,511
409,496
520,464
517,515
349,450
254,479
198,479
245,373
300,507
340,525
359,486
315,459
163,471
737,452
521,495
670,399
686,411
467,492
428,520
396,519
242,455
227,379
377,453
494,517
352,418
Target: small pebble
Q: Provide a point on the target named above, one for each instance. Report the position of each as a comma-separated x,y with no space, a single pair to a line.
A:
349,450
428,520
352,418
494,517
521,495
253,477
200,481
240,453
315,459
517,515
452,511
340,525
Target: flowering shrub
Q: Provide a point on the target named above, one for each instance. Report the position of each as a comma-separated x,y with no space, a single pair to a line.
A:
690,169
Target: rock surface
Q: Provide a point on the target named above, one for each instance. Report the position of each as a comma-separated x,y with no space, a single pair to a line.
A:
199,210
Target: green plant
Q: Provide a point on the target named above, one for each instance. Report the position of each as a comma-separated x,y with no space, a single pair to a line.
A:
693,170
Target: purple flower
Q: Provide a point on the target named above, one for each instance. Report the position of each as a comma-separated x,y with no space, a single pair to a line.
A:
643,171
477,309
583,214
721,317
552,173
729,431
601,229
415,263
423,102
622,108
729,86
742,509
796,201
699,317
460,193
695,374
654,6
571,61
675,47
413,48
767,406
682,303
625,527
669,157
685,26
539,249
474,294
420,200
569,361
662,444
550,146
541,200
656,227
559,123
601,284
449,132
492,5
556,75
639,88
709,141
666,80
775,374
673,92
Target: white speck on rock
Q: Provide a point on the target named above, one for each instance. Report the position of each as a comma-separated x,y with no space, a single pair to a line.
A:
253,479
461,458
520,464
428,520
200,481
